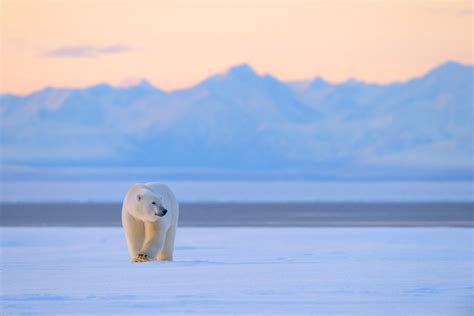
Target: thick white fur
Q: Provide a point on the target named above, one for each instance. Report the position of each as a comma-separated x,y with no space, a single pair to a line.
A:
146,233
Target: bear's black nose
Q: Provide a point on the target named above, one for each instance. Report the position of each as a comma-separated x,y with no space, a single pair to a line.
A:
165,211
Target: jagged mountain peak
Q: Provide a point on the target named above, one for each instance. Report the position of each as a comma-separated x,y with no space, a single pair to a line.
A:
241,70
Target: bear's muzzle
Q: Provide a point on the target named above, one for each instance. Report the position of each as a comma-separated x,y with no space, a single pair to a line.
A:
162,212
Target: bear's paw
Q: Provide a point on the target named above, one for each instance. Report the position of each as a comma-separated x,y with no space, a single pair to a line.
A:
141,257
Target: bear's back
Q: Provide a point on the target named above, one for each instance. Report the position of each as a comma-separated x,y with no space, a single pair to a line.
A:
160,189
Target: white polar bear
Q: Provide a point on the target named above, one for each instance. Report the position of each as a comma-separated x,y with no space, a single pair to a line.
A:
150,219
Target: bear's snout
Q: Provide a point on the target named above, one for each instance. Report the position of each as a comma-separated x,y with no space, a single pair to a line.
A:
162,212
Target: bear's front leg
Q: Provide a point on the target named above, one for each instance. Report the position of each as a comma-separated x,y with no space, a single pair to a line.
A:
153,244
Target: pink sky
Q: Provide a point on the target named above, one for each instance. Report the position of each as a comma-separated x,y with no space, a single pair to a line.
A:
175,44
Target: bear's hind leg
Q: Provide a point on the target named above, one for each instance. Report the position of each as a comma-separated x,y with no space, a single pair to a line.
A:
167,252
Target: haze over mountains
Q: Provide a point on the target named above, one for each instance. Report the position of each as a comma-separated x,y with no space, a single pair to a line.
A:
241,123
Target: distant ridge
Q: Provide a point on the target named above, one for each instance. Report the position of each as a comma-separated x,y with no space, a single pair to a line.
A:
240,121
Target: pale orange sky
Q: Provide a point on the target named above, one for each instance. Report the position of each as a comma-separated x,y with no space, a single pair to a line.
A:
175,44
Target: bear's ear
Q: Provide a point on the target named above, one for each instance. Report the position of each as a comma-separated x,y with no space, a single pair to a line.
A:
139,197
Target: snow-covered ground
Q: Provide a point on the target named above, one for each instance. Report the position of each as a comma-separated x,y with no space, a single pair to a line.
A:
364,271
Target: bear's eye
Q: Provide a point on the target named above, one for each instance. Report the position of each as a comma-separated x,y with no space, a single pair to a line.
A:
154,203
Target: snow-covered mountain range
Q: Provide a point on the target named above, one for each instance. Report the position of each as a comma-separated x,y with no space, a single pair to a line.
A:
240,122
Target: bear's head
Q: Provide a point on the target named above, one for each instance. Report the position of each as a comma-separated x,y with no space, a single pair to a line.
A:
148,207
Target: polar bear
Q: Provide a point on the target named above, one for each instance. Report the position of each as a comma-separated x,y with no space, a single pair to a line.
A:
150,219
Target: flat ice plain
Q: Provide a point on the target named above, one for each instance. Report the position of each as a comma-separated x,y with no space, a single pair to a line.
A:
273,271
